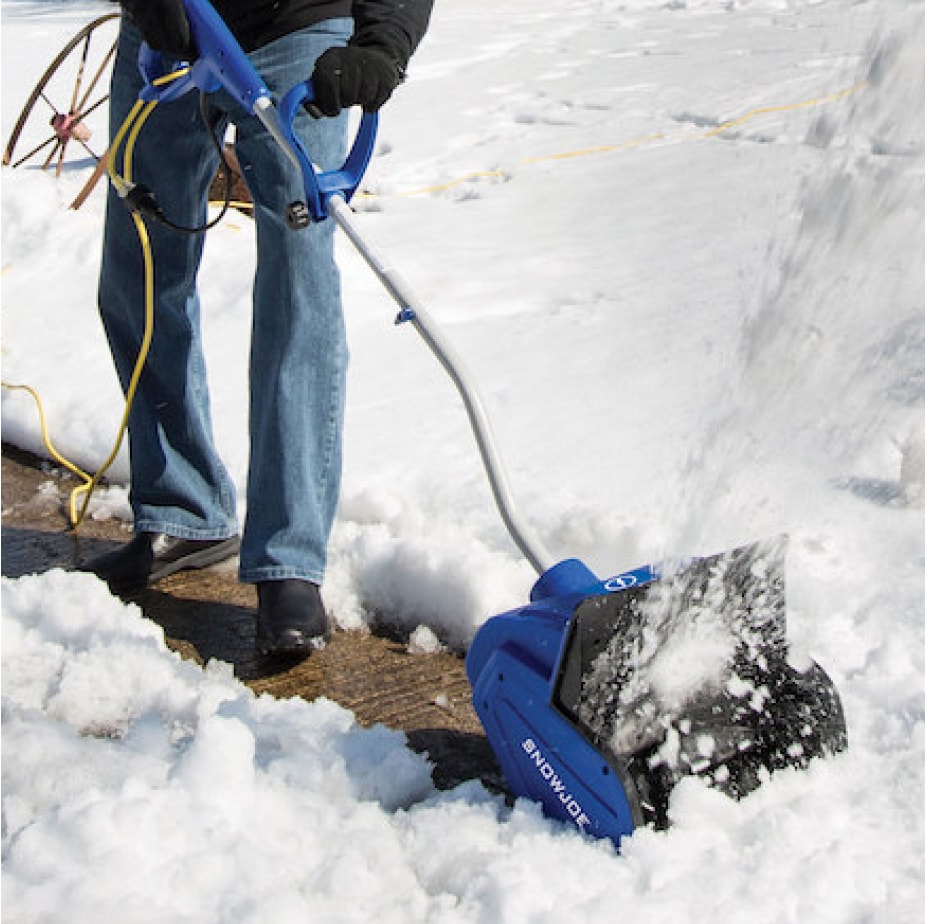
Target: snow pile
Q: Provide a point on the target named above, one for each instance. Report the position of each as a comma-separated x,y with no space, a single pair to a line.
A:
138,787
177,783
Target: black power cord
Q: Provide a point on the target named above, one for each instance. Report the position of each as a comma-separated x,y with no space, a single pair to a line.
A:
141,199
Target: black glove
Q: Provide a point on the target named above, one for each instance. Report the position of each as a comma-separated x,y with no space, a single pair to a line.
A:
357,75
163,25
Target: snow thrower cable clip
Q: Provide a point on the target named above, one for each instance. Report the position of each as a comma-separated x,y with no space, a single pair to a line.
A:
560,684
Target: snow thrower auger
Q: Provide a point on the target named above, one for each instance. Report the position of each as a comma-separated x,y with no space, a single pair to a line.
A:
599,695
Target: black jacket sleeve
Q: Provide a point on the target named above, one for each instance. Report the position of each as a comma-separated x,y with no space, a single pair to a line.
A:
395,25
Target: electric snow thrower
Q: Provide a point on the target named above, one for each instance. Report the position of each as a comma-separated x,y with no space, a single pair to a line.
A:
600,694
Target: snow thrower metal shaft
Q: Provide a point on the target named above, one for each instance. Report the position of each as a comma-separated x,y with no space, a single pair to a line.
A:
413,312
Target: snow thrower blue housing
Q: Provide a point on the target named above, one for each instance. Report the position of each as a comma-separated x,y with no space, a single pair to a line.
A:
570,688
513,666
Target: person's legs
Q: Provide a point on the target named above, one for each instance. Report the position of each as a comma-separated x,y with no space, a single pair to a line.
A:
298,349
179,485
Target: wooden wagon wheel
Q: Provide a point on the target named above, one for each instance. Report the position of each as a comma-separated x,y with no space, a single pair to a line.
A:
67,107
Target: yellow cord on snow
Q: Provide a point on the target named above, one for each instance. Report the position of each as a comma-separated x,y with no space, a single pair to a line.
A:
714,132
788,107
46,436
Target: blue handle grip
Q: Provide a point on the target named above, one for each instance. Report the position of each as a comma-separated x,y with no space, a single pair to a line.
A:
320,186
223,64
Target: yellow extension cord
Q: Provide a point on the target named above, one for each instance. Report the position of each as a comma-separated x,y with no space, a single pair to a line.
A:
122,183
131,128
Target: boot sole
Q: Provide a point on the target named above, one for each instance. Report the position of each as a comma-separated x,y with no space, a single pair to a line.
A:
195,561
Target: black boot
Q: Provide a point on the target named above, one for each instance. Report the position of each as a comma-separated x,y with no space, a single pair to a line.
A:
290,618
152,556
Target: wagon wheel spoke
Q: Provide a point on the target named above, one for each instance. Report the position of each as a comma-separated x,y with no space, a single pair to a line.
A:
88,149
91,109
60,165
52,139
101,72
59,146
80,72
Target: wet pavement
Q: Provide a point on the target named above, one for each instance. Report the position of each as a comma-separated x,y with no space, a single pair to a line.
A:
208,614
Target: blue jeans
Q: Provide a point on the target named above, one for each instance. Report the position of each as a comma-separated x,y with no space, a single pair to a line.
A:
298,357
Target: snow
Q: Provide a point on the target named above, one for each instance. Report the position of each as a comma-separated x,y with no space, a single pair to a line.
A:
680,247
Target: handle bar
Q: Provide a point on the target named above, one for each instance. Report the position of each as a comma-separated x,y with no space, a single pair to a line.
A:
223,64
